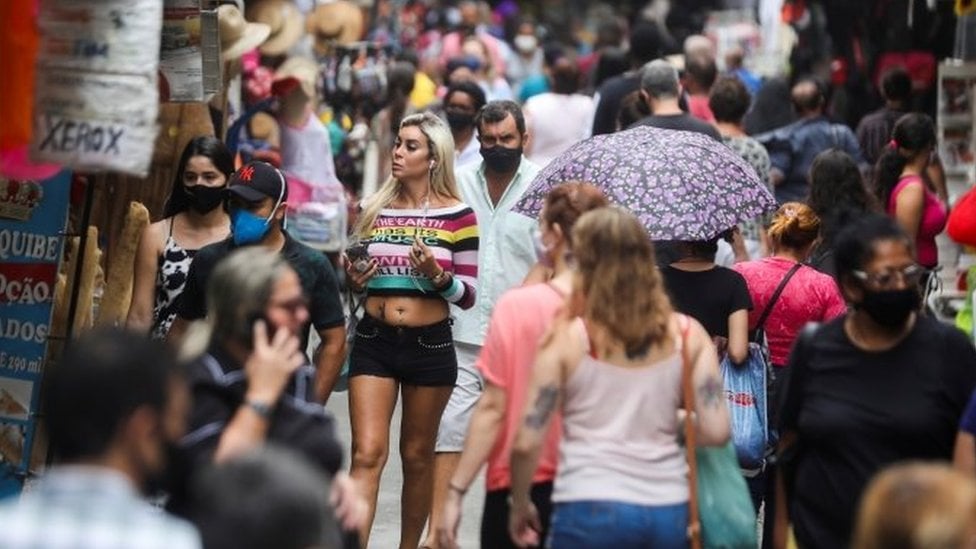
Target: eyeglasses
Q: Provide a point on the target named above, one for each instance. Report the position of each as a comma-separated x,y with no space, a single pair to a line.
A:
910,275
292,305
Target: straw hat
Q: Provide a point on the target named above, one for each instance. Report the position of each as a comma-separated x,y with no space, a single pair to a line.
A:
302,69
265,128
339,21
287,25
237,35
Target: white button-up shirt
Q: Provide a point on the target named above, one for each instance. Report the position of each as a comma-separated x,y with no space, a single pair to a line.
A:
505,248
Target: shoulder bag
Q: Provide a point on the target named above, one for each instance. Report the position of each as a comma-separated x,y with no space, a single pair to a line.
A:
747,390
720,511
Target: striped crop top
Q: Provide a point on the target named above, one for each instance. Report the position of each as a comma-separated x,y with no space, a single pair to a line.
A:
451,233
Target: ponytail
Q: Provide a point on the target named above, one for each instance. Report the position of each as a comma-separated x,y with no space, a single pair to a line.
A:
887,172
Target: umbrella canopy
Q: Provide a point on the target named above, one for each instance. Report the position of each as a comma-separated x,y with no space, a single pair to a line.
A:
682,185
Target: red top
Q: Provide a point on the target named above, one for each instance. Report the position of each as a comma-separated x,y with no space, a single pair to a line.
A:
519,320
810,296
934,217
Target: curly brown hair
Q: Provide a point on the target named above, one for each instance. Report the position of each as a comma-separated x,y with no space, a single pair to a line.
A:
623,291
567,201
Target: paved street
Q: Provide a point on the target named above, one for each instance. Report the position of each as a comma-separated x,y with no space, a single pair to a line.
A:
386,527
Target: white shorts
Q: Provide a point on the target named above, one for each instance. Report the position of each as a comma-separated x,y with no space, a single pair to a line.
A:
467,391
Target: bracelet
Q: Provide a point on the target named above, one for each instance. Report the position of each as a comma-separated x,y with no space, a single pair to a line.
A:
452,486
440,278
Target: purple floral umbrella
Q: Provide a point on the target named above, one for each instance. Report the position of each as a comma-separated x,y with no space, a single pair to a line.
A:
682,185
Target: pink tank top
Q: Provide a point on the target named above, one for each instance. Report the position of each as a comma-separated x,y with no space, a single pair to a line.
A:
620,432
934,218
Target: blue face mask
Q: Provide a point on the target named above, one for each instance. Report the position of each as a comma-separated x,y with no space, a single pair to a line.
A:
249,228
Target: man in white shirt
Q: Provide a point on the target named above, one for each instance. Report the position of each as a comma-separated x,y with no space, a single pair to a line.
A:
491,187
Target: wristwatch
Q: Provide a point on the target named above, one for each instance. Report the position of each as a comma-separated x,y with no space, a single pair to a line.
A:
262,409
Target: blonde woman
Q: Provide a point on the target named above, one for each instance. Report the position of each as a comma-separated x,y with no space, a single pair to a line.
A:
616,379
423,248
918,505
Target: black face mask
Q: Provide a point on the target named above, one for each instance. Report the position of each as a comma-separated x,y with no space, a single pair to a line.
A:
890,308
459,120
501,159
204,199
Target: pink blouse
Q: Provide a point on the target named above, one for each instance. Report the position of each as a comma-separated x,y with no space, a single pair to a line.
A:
810,296
933,221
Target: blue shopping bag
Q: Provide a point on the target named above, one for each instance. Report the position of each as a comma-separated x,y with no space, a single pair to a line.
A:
745,389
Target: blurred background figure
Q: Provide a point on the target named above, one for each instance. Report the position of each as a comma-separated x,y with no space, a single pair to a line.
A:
729,101
116,407
558,119
527,59
839,197
268,497
646,44
874,130
904,189
917,505
462,103
699,77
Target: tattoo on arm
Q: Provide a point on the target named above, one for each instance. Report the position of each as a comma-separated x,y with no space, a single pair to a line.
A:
545,402
711,391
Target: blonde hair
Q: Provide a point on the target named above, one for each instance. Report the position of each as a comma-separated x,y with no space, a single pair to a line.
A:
440,142
622,289
917,506
795,226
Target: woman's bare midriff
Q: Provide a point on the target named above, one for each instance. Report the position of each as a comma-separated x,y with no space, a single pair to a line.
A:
406,311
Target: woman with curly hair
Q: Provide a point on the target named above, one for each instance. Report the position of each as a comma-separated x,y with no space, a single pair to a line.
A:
838,196
615,378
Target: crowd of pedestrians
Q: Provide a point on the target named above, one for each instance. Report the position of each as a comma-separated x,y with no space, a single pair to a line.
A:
563,350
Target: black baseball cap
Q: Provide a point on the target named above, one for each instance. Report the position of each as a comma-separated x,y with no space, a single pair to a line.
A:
258,180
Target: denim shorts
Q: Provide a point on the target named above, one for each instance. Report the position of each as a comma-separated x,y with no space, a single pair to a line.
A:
421,355
600,524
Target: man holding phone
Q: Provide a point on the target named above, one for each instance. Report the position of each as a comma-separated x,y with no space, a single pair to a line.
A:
257,197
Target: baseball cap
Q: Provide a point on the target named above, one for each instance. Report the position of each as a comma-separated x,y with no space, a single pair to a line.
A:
258,180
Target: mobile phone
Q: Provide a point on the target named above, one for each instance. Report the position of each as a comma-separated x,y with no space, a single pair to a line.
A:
358,255
269,327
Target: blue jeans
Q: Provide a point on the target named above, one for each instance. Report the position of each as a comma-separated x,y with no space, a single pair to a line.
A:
601,524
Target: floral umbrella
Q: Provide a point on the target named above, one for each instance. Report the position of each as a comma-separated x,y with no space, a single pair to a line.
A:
682,185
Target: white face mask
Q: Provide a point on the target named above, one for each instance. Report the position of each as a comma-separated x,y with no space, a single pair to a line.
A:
526,43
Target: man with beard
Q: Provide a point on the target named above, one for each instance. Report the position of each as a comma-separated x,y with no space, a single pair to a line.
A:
257,200
115,407
506,252
462,102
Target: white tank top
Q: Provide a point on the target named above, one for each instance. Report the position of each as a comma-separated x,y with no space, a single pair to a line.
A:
620,430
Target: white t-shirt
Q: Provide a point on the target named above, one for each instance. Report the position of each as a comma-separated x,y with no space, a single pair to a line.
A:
555,123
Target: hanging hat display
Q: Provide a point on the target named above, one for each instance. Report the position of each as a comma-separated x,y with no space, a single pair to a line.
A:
284,18
237,35
339,22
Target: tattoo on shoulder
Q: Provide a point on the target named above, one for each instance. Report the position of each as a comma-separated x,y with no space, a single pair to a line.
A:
545,402
711,391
